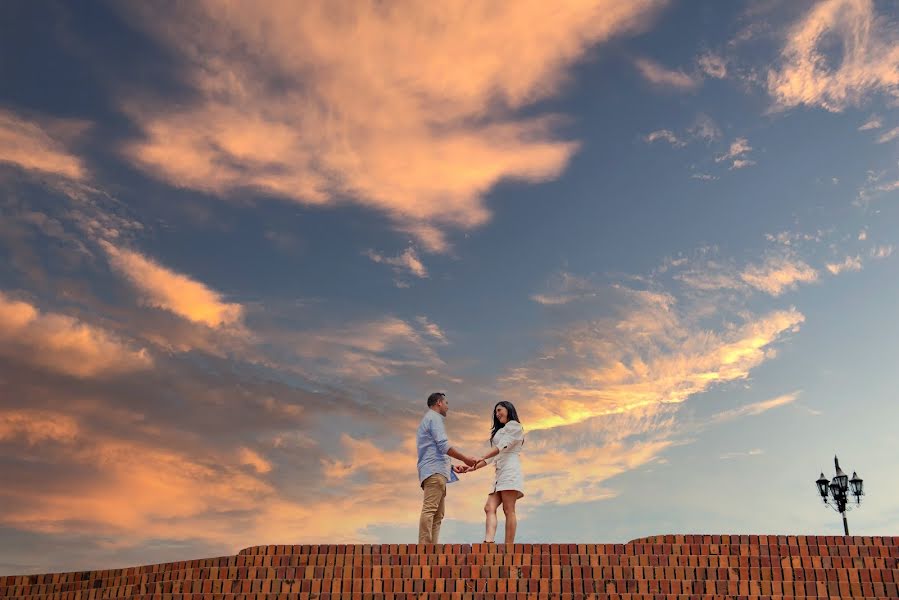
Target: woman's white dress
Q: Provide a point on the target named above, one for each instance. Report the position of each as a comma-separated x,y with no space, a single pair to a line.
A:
509,440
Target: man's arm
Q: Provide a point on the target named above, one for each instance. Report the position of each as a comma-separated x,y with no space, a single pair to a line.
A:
439,433
468,460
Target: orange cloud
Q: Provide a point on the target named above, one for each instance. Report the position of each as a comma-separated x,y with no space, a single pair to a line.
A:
780,271
365,456
869,60
778,274
40,146
137,490
253,459
131,488
411,109
756,408
37,426
550,470
604,449
163,288
645,357
63,344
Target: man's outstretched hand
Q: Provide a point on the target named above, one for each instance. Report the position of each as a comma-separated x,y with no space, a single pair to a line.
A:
470,461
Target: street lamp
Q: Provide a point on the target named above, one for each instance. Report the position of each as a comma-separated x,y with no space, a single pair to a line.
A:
839,488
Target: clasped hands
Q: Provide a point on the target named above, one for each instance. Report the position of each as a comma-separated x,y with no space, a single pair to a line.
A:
471,464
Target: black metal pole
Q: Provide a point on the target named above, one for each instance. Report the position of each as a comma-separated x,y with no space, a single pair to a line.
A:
845,524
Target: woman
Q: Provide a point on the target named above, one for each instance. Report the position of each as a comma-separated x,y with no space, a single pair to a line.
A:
506,439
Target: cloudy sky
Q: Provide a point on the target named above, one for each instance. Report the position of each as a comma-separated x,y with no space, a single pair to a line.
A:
242,242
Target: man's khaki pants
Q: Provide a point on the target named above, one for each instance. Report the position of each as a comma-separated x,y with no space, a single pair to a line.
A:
432,509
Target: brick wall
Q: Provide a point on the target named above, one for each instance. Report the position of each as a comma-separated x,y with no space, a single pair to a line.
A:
658,567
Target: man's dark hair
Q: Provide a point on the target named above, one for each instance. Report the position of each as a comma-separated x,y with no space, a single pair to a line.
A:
435,398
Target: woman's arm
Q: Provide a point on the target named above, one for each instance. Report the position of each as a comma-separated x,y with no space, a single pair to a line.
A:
482,462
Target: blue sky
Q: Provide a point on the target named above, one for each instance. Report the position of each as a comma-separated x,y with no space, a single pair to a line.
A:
242,244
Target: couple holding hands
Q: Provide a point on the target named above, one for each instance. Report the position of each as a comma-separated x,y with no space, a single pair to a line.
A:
435,470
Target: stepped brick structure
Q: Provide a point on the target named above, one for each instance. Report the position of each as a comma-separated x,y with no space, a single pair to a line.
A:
652,568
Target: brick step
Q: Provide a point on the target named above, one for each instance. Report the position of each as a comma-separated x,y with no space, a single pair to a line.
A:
844,587
881,573
402,549
461,572
592,560
704,556
471,596
651,568
839,551
747,550
816,545
341,559
761,540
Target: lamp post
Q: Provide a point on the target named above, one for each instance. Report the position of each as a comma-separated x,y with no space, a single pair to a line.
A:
839,488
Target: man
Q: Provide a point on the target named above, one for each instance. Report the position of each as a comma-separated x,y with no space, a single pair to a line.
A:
435,469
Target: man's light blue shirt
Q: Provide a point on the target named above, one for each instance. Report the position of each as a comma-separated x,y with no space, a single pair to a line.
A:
432,446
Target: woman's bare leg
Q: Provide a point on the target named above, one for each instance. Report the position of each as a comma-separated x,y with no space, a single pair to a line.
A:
493,501
509,497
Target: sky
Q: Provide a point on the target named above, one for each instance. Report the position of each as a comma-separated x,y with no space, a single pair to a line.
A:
242,243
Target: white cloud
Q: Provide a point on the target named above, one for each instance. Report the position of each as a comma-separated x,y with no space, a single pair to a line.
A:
850,263
889,136
737,153
875,185
713,65
365,350
795,238
732,455
432,329
704,128
756,408
665,135
872,123
738,148
565,288
661,77
406,262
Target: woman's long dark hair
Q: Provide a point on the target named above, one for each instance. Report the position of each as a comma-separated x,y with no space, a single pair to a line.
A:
513,416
